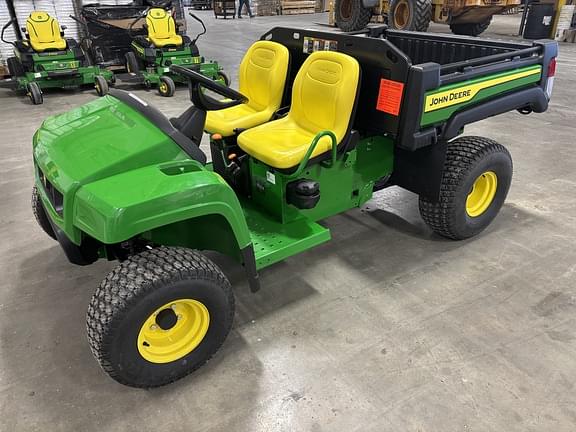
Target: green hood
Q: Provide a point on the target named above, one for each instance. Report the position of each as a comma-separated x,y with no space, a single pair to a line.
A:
98,140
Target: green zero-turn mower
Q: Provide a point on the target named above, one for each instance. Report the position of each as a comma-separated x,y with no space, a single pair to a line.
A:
48,60
320,122
151,57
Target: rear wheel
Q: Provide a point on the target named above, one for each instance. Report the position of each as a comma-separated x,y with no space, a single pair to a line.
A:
40,214
166,87
470,29
101,85
15,67
410,14
34,93
351,15
475,182
132,65
159,316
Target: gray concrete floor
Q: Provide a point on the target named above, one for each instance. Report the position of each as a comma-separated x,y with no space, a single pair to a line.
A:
385,328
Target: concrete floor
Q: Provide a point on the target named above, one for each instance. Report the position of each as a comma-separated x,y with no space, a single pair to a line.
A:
386,328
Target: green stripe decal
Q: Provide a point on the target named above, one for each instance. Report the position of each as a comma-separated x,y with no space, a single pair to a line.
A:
441,103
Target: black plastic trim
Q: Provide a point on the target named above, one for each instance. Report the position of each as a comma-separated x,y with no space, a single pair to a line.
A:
534,98
249,261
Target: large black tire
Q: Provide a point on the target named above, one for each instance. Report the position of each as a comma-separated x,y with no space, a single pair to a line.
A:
470,29
166,86
15,67
351,15
40,214
414,15
126,300
34,93
132,64
468,160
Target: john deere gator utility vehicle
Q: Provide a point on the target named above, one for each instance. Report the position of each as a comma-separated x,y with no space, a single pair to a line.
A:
320,122
151,56
48,60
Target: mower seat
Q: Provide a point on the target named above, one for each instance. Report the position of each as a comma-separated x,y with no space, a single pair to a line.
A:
323,98
262,76
44,32
162,28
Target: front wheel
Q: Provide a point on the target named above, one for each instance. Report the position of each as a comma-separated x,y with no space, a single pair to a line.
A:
101,85
475,182
34,93
166,87
159,316
40,214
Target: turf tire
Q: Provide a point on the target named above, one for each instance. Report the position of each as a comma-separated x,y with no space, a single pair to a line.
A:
351,15
101,85
466,159
137,287
40,214
132,64
15,67
166,87
34,93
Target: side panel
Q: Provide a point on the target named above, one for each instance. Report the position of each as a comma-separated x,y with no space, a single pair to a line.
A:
121,207
441,103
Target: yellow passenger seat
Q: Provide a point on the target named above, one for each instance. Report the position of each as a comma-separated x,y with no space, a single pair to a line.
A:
323,98
262,76
162,28
44,32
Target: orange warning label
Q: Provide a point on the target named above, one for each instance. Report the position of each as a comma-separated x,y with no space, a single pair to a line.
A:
390,96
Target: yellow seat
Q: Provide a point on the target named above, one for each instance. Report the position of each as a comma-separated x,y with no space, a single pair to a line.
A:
262,76
323,98
44,32
162,28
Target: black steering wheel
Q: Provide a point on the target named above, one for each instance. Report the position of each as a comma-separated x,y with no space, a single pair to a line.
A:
202,100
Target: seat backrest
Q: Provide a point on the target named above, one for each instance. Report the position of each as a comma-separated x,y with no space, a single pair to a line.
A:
160,24
324,93
42,29
262,75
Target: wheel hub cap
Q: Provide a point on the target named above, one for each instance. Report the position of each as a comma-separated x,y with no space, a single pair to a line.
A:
173,331
482,194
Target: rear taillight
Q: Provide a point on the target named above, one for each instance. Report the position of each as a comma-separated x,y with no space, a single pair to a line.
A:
550,77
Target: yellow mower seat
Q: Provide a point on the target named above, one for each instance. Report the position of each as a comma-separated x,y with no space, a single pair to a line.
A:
44,32
162,28
323,98
262,76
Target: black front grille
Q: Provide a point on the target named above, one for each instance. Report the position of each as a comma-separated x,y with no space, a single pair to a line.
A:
54,196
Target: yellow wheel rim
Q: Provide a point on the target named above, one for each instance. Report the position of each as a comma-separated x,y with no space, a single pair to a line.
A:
173,331
482,194
97,88
163,87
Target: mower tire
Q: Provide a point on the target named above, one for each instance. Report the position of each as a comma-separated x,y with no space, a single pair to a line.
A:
40,214
159,315
351,15
470,29
132,65
34,93
222,76
413,15
101,85
166,86
15,67
476,178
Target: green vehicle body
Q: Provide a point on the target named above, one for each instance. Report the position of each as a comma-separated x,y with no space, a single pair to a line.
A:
156,63
57,70
108,176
